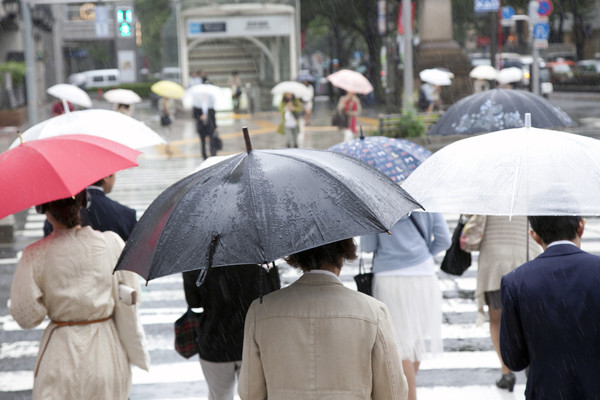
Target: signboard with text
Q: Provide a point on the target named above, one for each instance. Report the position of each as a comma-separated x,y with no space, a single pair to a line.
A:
256,26
486,5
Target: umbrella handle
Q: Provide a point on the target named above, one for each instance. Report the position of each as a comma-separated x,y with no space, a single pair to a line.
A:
66,108
211,252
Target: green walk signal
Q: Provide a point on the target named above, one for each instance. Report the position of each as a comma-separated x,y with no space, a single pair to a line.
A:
125,29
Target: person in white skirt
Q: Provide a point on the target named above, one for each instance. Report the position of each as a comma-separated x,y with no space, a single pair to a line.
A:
406,282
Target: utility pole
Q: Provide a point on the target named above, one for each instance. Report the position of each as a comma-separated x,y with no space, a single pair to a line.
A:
407,98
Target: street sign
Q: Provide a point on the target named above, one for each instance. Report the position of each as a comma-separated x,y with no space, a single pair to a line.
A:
545,8
540,43
101,22
507,12
486,5
541,30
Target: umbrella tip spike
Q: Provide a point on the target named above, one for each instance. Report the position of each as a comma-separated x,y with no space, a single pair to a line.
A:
247,139
362,136
20,137
527,120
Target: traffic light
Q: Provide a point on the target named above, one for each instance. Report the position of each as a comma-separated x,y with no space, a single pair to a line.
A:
125,21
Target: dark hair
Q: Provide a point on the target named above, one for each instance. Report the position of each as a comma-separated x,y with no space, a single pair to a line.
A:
65,211
553,228
331,253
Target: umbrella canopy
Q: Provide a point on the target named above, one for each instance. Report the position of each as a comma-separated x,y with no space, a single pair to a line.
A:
397,158
70,93
201,94
122,96
259,206
350,81
435,76
509,75
168,89
55,168
486,72
107,124
524,171
498,109
296,88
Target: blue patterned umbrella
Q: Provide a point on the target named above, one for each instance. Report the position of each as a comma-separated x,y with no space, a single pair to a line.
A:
397,158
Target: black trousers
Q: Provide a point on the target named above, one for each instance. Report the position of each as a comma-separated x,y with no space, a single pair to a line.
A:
206,129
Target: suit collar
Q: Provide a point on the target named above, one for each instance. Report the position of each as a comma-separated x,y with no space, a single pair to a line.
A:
560,249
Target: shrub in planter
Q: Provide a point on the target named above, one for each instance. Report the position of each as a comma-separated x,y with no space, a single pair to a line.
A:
405,126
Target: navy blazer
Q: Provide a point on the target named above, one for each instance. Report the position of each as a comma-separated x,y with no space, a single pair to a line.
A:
551,322
106,214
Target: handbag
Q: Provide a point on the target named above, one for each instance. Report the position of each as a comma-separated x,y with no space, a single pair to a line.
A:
339,119
165,120
218,142
456,261
187,329
364,279
472,233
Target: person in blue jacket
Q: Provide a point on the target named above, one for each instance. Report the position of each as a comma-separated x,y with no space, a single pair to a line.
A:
405,281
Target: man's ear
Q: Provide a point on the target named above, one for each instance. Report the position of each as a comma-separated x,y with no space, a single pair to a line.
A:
536,237
581,227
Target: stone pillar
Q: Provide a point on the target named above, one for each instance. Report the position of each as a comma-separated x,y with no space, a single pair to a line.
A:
438,49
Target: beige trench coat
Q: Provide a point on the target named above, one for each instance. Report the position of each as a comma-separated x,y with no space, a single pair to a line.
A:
68,276
318,340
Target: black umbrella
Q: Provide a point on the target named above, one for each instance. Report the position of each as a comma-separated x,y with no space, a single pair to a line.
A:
498,109
261,205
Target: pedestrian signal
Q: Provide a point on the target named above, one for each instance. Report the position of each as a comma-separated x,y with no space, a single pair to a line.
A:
125,21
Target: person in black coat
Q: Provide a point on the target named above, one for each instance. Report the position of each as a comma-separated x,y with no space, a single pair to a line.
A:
104,214
225,296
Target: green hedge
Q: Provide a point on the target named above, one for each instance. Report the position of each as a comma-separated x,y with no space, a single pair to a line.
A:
16,69
141,88
406,125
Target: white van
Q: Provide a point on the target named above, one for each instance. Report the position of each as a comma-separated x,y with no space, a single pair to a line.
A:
96,78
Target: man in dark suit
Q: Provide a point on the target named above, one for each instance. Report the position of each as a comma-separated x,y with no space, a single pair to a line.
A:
103,213
550,309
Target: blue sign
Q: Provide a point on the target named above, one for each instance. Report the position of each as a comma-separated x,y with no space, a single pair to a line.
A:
507,12
487,5
206,27
541,30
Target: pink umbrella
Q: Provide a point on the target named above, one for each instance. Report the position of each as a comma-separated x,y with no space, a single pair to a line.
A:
350,81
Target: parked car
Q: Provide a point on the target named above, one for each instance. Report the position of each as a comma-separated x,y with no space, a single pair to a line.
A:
561,72
96,78
588,66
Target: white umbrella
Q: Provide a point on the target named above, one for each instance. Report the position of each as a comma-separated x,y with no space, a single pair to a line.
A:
296,88
523,171
70,93
122,96
108,124
509,75
201,94
435,76
486,72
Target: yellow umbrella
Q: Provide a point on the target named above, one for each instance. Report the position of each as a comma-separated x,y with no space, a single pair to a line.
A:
168,89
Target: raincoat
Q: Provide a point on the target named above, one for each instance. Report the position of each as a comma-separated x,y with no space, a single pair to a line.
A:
68,276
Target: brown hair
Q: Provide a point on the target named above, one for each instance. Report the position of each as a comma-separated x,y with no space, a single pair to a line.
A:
332,253
65,211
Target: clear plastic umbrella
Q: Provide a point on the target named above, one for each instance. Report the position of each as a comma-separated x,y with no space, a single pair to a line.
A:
509,75
436,76
523,171
122,96
108,124
296,88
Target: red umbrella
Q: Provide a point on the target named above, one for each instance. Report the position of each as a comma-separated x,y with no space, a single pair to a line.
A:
49,169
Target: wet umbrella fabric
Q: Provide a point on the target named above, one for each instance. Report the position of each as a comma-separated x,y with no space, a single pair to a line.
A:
259,206
396,158
498,109
524,171
350,81
49,169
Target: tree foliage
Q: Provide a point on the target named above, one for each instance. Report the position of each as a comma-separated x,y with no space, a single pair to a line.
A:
152,15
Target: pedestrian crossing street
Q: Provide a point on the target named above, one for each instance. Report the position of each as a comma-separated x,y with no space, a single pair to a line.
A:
467,369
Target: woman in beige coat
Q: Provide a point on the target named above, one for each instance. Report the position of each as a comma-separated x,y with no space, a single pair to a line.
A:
503,248
318,339
68,276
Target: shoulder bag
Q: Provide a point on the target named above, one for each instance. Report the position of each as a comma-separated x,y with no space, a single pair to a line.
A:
187,329
472,233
